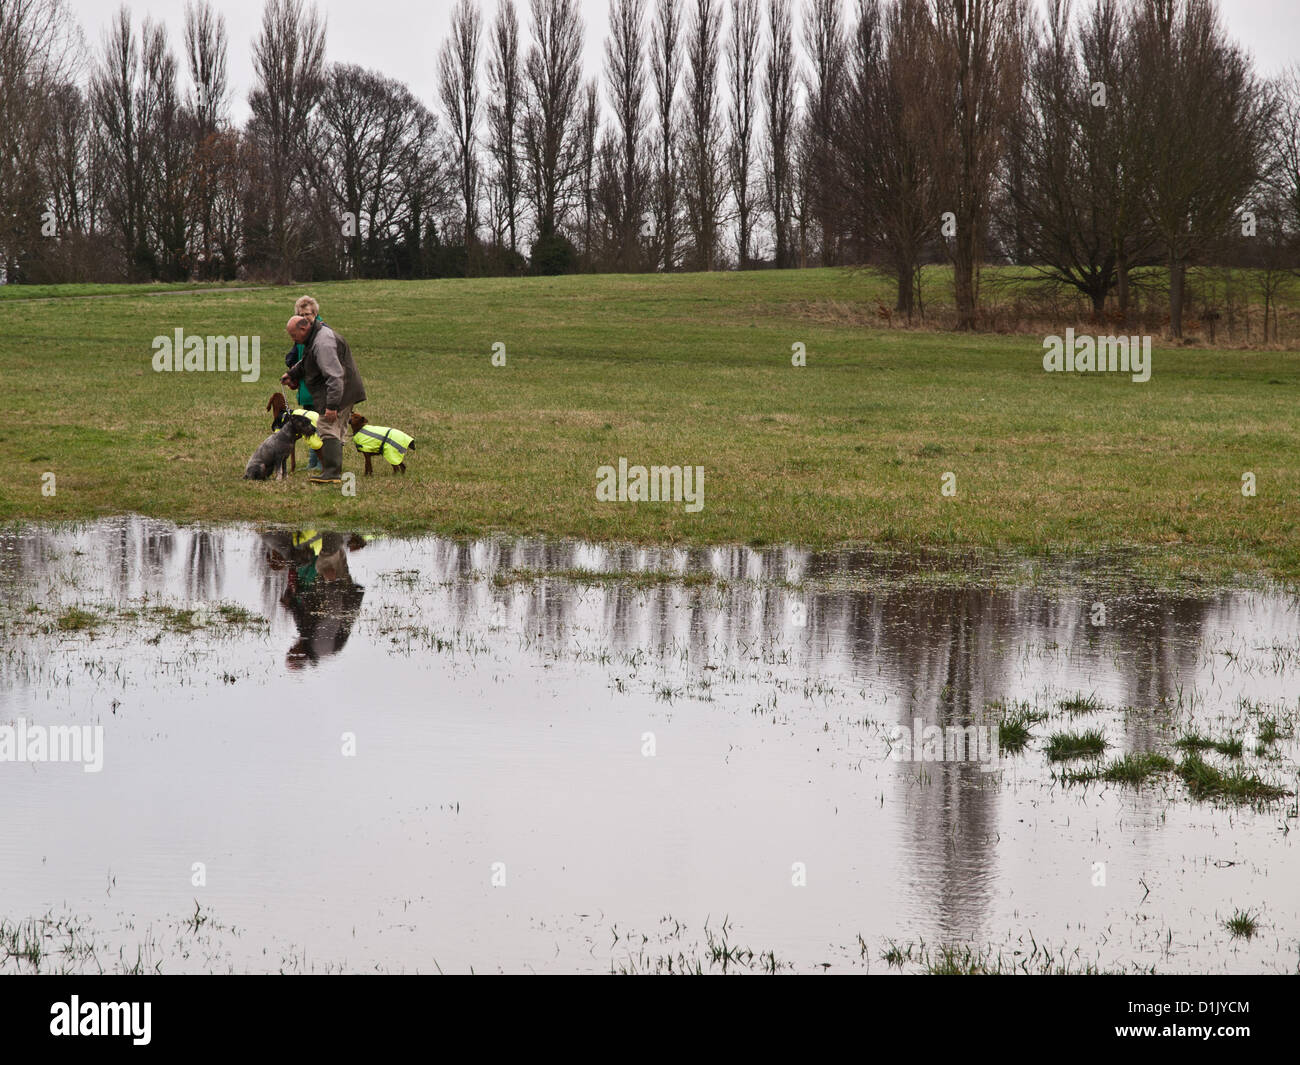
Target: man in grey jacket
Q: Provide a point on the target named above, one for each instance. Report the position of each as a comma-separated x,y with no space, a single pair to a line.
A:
335,385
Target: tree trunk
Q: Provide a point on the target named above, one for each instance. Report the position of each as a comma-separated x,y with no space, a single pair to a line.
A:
906,295
1121,283
964,278
1177,277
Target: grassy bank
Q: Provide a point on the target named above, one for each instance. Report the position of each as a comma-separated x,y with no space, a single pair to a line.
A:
687,369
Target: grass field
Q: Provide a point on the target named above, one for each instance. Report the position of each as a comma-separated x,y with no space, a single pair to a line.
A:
683,369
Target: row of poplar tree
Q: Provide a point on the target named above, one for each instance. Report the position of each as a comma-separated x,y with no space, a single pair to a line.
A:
1085,143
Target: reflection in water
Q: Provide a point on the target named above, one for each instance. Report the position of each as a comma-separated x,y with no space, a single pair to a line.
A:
829,647
318,591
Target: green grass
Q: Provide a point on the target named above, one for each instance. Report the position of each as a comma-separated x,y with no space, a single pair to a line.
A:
1196,742
74,619
597,578
175,619
1242,924
1131,769
1015,724
1080,704
1205,781
20,293
681,369
962,959
1062,746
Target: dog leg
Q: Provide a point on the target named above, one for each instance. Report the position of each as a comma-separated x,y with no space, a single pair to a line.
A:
369,468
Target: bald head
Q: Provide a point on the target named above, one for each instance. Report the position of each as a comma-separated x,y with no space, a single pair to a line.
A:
298,327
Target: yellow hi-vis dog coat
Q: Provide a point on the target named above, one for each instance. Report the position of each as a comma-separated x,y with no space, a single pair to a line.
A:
314,441
393,444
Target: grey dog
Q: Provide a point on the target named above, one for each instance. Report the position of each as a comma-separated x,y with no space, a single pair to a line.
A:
274,451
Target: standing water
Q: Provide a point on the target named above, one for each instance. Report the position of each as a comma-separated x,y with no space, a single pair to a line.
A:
311,750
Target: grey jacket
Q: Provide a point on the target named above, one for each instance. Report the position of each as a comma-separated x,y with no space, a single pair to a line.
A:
329,371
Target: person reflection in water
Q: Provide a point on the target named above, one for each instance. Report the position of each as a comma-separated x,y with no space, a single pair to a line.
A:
320,593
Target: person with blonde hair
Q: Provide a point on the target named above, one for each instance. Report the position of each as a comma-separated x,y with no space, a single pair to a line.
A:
330,374
306,307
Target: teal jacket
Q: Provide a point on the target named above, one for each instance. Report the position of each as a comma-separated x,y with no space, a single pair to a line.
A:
304,393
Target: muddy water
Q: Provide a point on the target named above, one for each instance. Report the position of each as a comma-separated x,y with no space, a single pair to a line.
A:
421,754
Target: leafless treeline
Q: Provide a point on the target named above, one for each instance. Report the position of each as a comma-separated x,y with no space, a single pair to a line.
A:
1084,142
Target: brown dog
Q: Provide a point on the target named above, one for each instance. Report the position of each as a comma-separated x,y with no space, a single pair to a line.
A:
279,412
389,443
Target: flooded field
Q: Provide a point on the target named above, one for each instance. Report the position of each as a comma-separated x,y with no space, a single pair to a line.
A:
308,750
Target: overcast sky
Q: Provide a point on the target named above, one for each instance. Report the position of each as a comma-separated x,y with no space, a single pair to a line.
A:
401,38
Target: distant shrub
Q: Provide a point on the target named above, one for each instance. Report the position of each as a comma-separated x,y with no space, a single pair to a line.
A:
553,254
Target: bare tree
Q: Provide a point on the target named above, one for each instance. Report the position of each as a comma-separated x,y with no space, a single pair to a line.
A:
1115,132
289,62
742,71
372,127
624,173
423,187
801,188
589,133
665,68
458,85
205,53
124,122
824,42
505,88
66,160
228,159
1284,173
36,58
1205,125
551,128
206,46
977,65
883,141
352,126
703,151
168,161
1058,195
779,99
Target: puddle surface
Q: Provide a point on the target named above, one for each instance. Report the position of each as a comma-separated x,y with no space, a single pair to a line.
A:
420,754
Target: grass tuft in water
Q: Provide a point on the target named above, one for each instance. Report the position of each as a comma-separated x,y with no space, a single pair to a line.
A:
1080,704
1130,769
1242,924
1063,746
1015,723
77,620
624,578
1196,742
1270,731
1204,781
